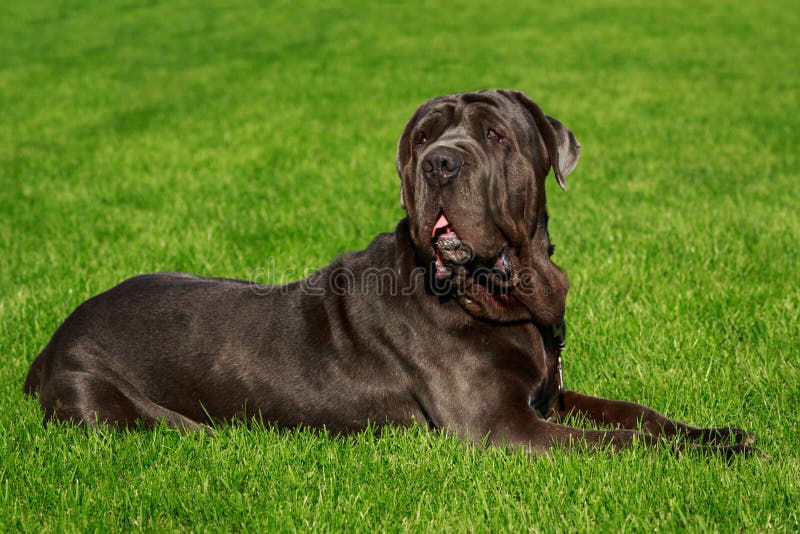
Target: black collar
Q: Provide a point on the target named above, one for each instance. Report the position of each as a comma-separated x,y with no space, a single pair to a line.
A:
560,335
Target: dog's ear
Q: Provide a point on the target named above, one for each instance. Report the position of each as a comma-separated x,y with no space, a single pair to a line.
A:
562,147
404,153
567,151
404,144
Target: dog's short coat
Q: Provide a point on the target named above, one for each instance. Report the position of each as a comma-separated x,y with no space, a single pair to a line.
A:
455,320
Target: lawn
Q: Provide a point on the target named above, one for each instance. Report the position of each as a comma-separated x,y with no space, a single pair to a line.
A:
256,140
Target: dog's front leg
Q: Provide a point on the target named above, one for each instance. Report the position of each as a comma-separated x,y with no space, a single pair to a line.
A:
527,430
524,428
630,415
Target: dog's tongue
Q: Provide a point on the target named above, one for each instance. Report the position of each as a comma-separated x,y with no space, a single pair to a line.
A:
442,222
442,229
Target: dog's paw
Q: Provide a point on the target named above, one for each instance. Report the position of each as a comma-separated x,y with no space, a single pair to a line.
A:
744,437
736,436
729,452
723,436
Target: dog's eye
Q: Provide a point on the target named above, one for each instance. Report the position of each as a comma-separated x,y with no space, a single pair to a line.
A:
421,140
492,134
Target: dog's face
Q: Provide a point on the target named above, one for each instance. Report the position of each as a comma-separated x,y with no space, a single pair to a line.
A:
472,167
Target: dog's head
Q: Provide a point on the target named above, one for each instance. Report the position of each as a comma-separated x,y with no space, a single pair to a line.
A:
472,167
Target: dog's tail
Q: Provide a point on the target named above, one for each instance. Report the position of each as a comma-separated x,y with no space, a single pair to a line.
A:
34,380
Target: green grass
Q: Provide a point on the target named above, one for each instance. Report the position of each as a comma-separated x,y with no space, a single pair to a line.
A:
221,138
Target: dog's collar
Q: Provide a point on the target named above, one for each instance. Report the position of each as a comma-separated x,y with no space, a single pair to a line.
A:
560,336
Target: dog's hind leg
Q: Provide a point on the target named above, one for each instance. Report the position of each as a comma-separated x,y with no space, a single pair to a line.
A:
85,398
31,386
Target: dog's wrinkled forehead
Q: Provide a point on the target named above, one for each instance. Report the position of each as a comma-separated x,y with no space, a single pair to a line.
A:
467,114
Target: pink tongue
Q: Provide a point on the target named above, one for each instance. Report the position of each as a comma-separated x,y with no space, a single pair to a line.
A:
442,222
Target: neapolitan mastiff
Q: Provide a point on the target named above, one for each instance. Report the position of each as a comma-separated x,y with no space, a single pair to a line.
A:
454,320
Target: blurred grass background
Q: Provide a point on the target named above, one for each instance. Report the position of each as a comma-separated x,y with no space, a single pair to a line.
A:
238,138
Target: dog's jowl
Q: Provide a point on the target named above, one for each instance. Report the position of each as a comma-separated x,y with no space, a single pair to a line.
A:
455,320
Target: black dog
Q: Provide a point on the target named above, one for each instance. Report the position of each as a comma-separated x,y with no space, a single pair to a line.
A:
455,320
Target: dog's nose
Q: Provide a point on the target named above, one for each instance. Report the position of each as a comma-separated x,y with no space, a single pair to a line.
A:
441,166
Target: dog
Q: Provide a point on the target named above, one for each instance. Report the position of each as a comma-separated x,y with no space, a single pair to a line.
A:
454,321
